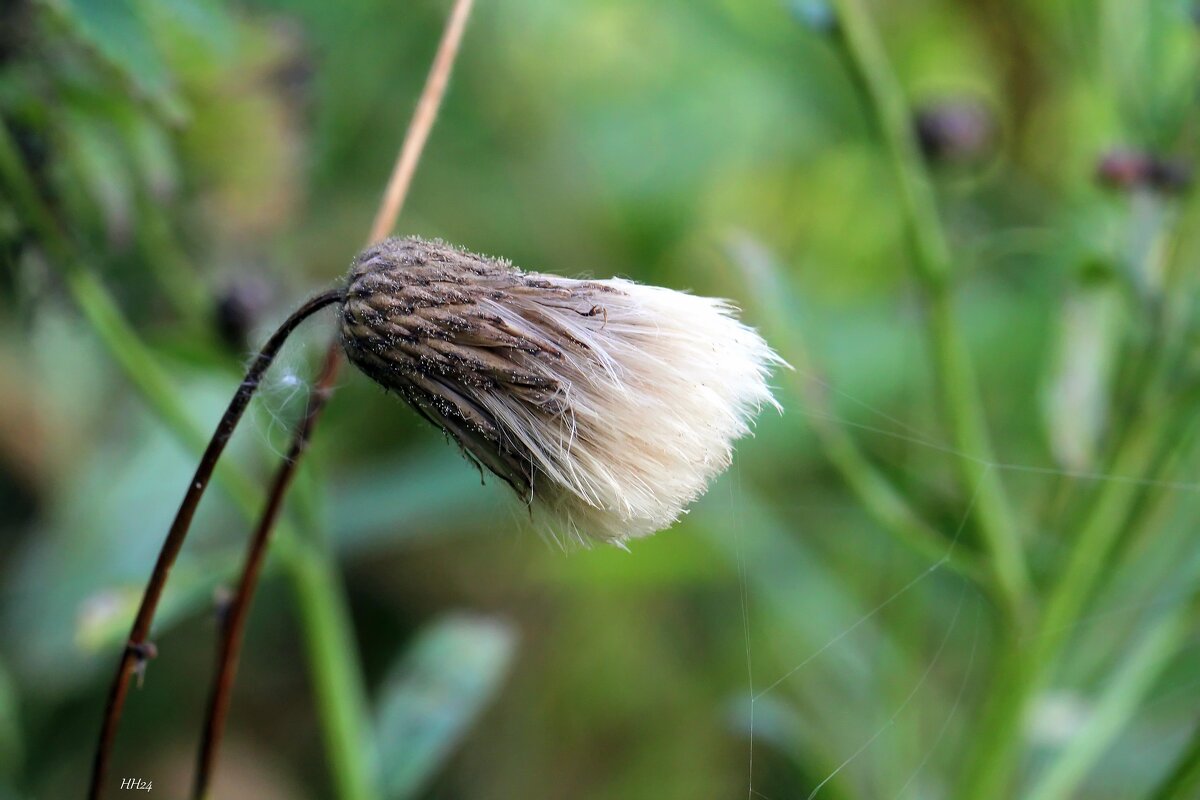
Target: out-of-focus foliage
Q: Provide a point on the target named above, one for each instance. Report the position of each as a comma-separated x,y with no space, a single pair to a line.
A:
209,164
433,694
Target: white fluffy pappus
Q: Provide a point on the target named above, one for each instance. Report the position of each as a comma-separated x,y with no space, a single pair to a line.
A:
608,405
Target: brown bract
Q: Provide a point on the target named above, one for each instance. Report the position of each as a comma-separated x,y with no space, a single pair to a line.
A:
424,319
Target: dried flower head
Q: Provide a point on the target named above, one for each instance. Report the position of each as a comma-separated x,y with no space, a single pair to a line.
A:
607,405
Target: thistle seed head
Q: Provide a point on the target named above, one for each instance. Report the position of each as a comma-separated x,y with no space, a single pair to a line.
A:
607,405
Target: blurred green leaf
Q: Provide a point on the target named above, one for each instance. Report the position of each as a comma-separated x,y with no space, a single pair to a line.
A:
774,723
152,154
407,498
97,548
1116,704
117,32
434,693
104,618
99,166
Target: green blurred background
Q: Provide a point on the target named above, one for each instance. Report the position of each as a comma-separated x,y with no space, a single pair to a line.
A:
205,166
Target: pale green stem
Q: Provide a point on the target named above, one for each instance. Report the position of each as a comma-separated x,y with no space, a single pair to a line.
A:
328,630
1183,781
931,259
1174,449
1115,707
1110,516
998,746
336,675
1091,547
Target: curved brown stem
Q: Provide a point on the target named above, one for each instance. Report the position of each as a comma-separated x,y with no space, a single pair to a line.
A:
137,649
234,622
385,220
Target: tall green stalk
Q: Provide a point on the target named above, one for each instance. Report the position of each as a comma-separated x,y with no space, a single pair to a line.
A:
342,704
868,65
993,512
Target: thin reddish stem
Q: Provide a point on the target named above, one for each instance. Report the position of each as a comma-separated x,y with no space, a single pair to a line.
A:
423,118
235,614
385,220
137,649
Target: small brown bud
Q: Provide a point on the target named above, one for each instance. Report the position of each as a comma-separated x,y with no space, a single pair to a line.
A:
238,309
954,132
1170,175
1123,169
1127,170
